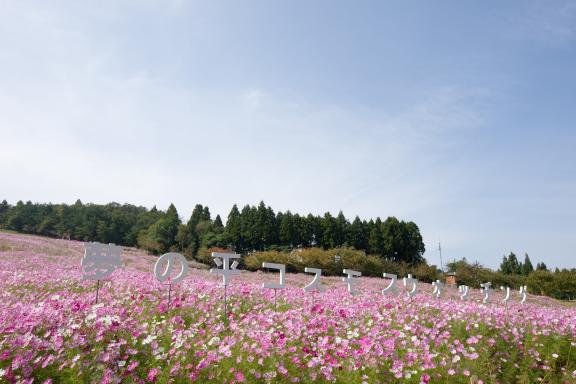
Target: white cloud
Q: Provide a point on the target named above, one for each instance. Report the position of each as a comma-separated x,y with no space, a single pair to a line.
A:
254,98
81,118
550,21
84,130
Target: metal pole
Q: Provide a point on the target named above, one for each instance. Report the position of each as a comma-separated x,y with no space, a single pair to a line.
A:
169,294
97,290
225,310
440,251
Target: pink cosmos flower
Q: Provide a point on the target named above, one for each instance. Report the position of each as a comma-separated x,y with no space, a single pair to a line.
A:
152,375
239,376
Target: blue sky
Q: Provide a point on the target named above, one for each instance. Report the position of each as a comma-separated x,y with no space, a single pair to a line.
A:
458,115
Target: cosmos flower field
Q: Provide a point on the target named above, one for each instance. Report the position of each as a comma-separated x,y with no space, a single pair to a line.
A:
51,330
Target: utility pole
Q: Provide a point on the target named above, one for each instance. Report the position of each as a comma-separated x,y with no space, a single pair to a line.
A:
440,251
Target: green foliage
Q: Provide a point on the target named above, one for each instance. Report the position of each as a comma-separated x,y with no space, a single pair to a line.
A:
426,273
510,265
527,267
541,282
541,267
162,236
258,229
4,207
468,274
560,284
333,261
393,246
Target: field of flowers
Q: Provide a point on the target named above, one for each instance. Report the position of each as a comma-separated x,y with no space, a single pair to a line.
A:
51,330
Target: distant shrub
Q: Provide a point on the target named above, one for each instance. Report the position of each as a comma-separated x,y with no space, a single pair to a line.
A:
426,273
204,254
334,261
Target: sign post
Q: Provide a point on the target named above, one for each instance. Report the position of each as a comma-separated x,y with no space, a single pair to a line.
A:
99,262
275,287
223,259
169,259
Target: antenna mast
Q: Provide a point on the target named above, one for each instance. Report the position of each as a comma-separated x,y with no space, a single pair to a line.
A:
440,251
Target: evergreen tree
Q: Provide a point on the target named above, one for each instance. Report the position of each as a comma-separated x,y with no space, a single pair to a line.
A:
249,228
161,236
264,227
314,225
340,230
413,243
197,227
255,228
218,226
183,239
356,234
376,239
514,264
527,267
392,243
196,217
287,230
505,266
233,230
4,208
18,220
206,214
304,228
272,227
510,265
541,267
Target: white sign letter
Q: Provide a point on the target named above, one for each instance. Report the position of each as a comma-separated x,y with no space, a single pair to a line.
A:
414,282
351,281
281,268
507,295
315,284
169,259
463,289
438,286
486,291
227,270
523,292
100,260
392,286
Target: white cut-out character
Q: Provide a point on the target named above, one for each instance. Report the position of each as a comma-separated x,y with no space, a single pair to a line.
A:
463,289
352,282
506,295
438,287
169,259
392,286
523,293
315,284
486,291
282,269
100,260
410,280
227,270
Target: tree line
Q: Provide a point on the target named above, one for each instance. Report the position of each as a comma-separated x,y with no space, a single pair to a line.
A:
250,229
511,266
559,283
328,241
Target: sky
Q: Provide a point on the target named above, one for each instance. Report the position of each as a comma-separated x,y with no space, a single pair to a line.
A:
457,115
